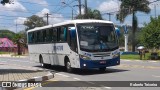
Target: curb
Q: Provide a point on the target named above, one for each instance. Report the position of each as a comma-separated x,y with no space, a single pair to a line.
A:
31,80
141,60
14,56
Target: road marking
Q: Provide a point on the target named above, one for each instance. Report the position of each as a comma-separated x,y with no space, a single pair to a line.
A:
140,60
21,61
29,67
62,75
108,87
76,78
127,60
154,61
105,87
3,61
155,76
139,66
90,82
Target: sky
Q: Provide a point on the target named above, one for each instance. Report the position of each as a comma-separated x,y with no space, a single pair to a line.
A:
12,16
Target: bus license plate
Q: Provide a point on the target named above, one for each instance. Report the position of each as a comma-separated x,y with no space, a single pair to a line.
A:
102,62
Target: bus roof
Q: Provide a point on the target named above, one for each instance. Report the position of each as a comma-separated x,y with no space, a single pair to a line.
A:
71,22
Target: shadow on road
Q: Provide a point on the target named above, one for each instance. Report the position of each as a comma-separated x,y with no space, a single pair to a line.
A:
57,69
96,71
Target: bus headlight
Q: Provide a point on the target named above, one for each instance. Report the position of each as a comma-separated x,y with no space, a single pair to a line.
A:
116,55
85,57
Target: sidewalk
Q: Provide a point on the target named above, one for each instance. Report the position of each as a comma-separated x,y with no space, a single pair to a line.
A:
141,60
14,56
18,73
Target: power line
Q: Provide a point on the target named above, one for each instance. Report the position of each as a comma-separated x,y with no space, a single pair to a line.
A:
38,3
63,7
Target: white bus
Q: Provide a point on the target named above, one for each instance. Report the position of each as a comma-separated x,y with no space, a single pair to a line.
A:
75,44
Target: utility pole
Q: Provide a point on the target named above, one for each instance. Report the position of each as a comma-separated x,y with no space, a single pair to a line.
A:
16,26
85,3
79,1
154,6
155,10
72,14
109,14
47,15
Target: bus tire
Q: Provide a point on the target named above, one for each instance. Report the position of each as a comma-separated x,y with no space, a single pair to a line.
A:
68,66
102,69
42,63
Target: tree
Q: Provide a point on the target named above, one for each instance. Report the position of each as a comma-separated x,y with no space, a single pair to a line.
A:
16,39
7,34
91,14
3,2
128,7
34,21
150,36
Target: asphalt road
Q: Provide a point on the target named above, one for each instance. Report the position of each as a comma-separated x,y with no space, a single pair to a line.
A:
93,79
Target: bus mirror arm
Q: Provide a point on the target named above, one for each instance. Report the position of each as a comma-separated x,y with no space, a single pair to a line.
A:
76,50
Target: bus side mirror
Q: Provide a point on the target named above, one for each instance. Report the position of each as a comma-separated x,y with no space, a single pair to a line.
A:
72,32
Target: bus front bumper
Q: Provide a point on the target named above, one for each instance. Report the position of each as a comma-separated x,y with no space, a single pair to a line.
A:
88,64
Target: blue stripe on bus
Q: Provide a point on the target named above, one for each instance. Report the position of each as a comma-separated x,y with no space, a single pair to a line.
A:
97,64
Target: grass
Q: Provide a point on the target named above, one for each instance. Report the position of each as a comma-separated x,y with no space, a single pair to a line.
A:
135,57
18,55
4,52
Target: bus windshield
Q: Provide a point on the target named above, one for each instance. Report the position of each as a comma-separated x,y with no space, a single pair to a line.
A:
95,37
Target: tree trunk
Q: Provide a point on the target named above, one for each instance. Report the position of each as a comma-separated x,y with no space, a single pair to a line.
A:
19,48
134,27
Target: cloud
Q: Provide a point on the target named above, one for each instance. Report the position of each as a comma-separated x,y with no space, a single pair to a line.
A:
41,2
16,6
82,11
53,18
56,18
20,20
153,4
43,12
109,6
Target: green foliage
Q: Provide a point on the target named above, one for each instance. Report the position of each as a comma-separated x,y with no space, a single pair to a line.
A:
136,57
17,37
7,34
151,34
121,38
34,21
91,14
128,7
5,1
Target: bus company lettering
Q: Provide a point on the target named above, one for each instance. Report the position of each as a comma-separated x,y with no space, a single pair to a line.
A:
58,48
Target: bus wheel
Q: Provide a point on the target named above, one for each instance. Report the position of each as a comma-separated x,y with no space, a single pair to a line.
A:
68,66
41,62
103,69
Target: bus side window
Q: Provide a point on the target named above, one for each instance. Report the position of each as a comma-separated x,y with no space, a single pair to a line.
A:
30,37
44,36
71,39
54,35
47,36
58,34
38,36
35,37
62,34
65,34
